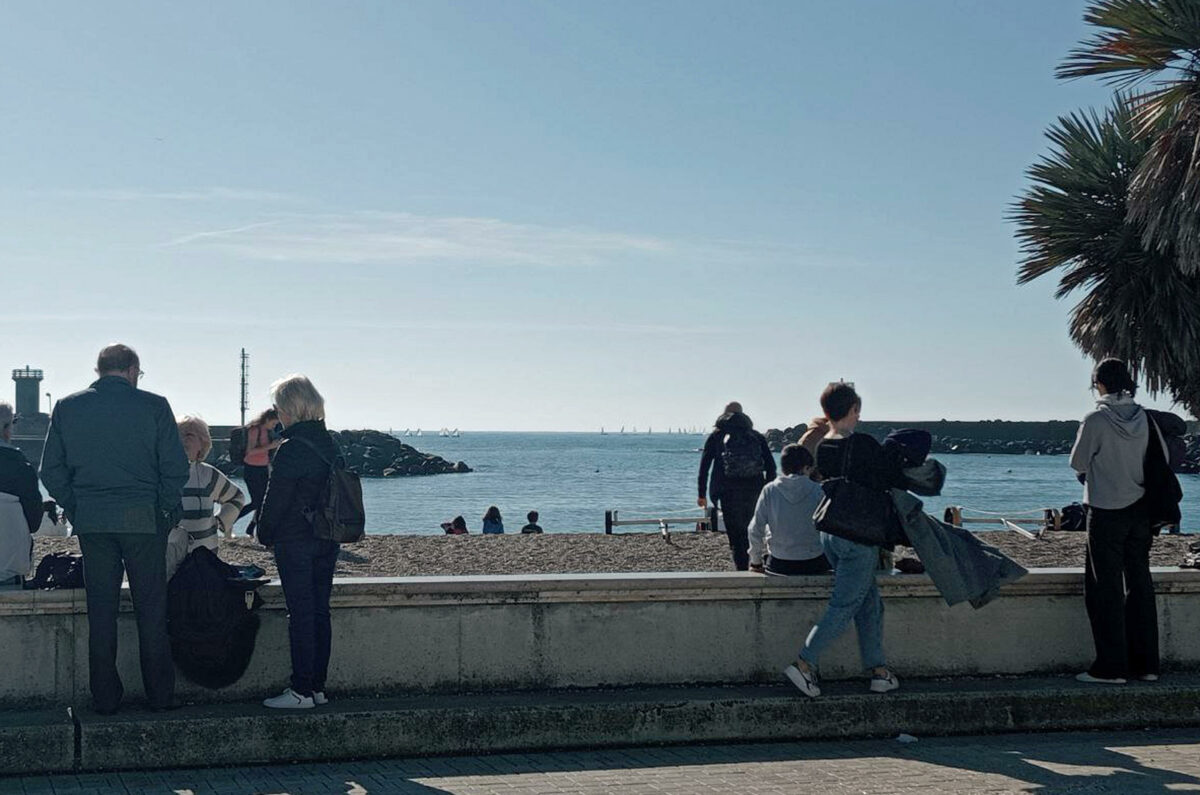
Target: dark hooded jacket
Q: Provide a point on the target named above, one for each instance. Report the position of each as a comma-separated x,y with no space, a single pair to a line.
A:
19,478
298,480
717,484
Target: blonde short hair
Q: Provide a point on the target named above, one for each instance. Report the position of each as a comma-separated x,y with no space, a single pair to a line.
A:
194,426
6,414
296,397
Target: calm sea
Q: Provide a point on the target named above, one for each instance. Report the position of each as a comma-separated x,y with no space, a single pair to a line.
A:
571,479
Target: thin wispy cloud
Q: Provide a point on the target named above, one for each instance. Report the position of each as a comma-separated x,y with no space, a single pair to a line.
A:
213,194
365,238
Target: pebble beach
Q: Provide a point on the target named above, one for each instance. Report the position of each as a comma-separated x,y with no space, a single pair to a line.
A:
581,553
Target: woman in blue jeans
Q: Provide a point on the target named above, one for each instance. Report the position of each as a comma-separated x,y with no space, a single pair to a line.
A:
306,563
857,457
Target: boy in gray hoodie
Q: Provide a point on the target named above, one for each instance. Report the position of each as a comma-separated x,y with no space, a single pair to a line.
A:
783,522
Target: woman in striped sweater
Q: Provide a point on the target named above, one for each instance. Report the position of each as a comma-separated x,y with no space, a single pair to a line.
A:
206,488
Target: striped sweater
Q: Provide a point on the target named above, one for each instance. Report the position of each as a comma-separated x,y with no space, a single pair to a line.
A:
206,487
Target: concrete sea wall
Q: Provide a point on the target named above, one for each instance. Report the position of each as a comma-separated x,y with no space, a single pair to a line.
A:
447,634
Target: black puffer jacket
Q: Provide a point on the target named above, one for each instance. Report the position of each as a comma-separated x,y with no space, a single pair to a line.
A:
298,479
19,478
714,445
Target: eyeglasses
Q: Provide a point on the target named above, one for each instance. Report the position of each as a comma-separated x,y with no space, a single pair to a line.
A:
141,374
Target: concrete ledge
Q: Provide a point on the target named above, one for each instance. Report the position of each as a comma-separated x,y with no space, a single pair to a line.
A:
37,741
515,722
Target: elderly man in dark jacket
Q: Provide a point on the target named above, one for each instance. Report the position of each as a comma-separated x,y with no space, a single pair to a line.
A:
114,462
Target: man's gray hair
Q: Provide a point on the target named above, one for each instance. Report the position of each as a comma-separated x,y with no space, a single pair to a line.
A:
298,398
6,414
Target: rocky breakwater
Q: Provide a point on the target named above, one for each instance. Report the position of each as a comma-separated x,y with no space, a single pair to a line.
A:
777,438
372,454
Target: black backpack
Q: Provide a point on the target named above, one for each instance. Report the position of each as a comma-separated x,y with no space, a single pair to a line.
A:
57,570
211,619
741,456
1163,492
237,446
1172,428
339,516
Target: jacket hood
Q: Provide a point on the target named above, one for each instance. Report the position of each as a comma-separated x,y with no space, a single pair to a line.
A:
1126,416
794,488
734,421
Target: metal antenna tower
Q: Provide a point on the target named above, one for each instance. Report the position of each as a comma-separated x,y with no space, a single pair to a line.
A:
245,383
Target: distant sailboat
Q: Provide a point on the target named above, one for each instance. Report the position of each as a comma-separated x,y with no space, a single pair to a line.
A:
649,430
418,433
407,432
455,434
444,432
602,431
622,429
635,429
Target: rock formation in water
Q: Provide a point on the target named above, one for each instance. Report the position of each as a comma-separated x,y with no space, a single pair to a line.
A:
372,454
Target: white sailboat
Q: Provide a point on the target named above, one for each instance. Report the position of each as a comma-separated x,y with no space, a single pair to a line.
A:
444,432
602,431
418,433
407,432
455,434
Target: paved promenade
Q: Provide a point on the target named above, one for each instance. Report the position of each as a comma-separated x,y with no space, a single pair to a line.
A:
1108,762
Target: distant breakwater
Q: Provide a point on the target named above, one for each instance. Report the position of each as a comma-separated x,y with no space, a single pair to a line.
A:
372,454
993,437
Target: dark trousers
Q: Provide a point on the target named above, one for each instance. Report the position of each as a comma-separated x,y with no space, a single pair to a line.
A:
306,568
1119,593
737,507
792,568
106,556
256,483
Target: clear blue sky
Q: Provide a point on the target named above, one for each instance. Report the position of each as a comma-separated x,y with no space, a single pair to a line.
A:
538,215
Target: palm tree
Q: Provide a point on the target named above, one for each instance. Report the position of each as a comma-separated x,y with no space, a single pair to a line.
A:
1073,220
1151,48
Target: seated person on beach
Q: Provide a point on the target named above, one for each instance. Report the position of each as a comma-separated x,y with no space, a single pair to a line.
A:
783,520
492,523
533,526
206,487
455,527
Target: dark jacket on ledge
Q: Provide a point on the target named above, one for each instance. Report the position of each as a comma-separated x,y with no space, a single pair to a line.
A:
113,459
714,445
19,478
298,480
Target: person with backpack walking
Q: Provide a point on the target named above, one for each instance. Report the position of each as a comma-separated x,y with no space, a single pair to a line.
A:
741,463
1109,457
114,462
299,483
20,505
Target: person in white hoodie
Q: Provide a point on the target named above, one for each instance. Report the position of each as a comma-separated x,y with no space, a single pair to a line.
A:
783,520
1118,591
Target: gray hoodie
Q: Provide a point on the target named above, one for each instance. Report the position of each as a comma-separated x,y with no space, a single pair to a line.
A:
1109,451
783,519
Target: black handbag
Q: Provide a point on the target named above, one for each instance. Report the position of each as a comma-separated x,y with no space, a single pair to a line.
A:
1162,490
855,512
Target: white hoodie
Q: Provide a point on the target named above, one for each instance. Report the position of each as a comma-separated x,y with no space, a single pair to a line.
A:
783,519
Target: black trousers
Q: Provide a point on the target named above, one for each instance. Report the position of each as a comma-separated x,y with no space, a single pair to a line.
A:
1119,593
738,509
306,567
106,557
256,483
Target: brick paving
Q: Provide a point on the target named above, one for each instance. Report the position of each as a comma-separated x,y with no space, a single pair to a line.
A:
1124,763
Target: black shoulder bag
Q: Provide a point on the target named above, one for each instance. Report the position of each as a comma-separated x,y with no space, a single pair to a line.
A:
853,511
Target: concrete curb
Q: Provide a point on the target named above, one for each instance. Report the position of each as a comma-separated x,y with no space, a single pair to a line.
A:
41,741
234,734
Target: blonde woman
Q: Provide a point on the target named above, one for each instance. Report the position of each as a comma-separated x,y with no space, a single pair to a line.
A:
206,489
306,563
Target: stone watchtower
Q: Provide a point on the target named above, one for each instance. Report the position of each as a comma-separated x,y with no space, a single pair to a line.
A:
29,391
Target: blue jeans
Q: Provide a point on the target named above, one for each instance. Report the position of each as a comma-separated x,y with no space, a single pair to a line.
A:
306,568
855,597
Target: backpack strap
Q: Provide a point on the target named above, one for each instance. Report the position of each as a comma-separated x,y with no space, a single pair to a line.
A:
317,450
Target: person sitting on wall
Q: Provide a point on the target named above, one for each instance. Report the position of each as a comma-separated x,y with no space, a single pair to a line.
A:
20,504
783,520
455,527
533,527
492,523
206,488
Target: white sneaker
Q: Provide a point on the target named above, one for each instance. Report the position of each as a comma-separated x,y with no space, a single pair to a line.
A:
1149,677
884,684
289,699
805,681
319,698
1096,680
